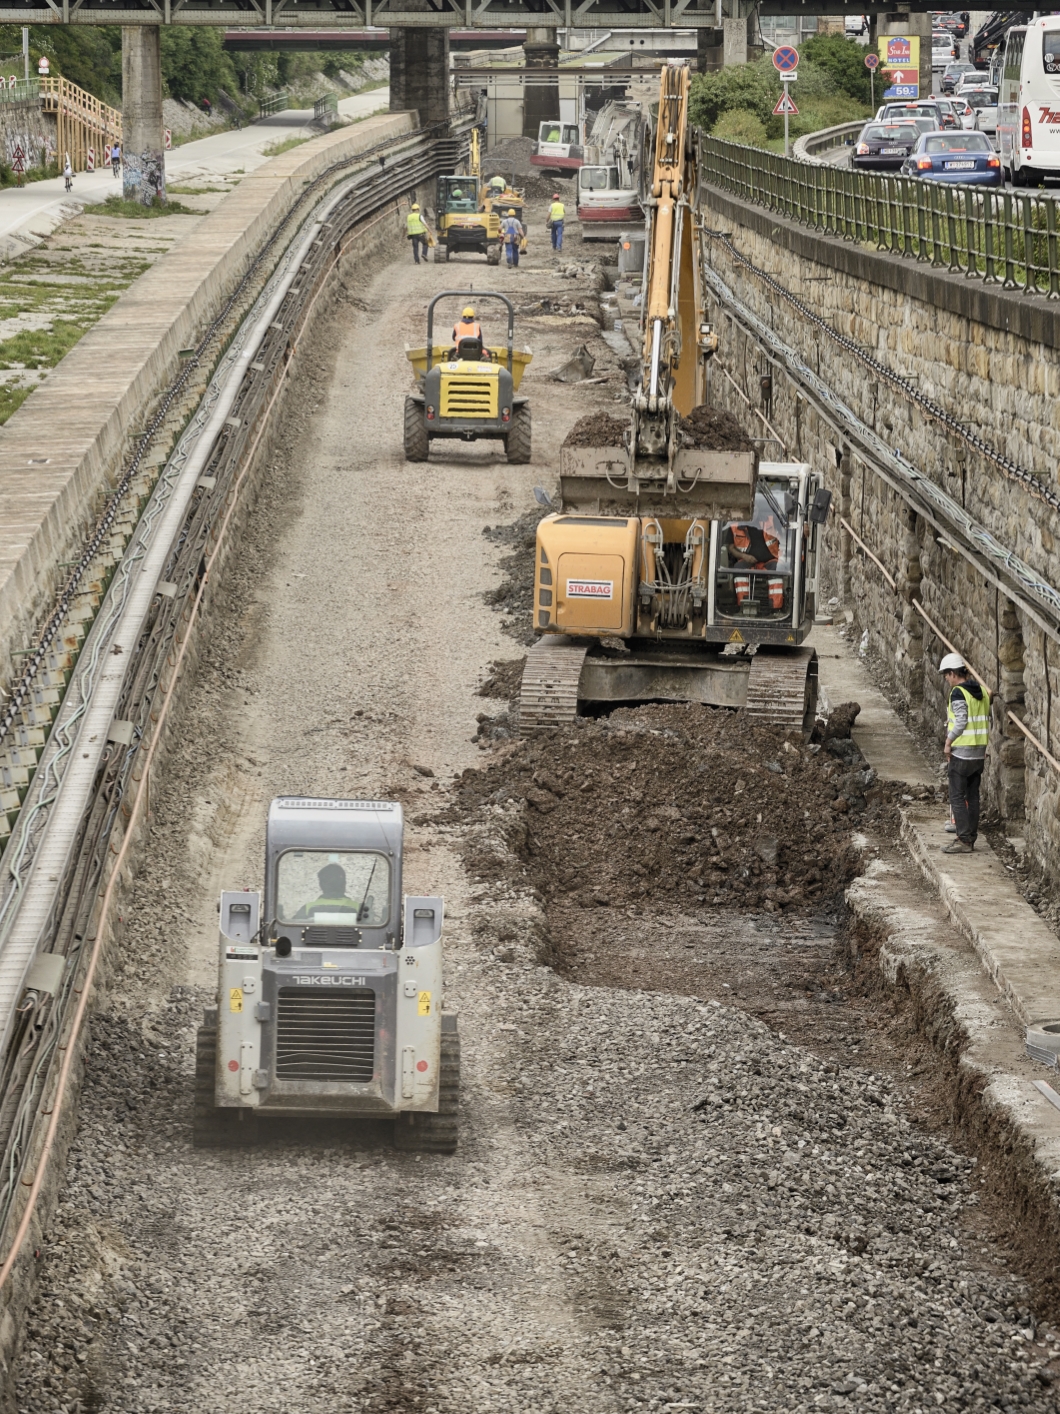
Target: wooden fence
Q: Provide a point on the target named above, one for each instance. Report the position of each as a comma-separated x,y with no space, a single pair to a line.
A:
84,124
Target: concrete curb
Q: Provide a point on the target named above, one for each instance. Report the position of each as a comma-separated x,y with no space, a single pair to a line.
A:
65,444
995,1104
1019,952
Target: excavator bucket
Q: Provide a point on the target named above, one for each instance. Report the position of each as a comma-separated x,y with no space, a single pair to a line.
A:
713,485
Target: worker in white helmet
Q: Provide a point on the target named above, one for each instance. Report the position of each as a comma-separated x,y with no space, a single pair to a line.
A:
967,735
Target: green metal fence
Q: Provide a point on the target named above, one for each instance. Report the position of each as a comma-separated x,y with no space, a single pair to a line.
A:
1002,237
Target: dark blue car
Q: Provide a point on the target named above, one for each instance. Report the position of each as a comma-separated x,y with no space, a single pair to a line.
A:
968,158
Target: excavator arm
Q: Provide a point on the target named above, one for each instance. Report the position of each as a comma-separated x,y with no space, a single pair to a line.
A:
676,343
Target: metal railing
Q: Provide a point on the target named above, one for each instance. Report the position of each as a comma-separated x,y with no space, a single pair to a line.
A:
325,108
826,140
1002,237
19,90
274,103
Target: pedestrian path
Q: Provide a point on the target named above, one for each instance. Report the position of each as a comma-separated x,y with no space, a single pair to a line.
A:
28,214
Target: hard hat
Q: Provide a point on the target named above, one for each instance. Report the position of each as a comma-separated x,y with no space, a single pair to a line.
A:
511,211
468,313
952,663
415,206
555,196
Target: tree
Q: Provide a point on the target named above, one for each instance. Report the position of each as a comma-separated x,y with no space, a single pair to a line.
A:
195,64
844,61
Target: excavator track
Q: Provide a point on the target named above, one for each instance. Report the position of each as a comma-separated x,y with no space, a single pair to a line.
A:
549,694
782,688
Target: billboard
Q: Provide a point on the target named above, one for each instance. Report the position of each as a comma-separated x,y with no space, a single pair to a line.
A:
900,59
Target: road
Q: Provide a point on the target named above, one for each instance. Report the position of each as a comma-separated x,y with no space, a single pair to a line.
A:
660,1201
29,213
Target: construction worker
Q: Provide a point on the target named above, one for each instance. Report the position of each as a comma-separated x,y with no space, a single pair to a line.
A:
556,213
416,231
512,235
967,734
332,899
497,185
467,327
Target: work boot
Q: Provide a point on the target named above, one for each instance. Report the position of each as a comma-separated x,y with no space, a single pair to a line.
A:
957,846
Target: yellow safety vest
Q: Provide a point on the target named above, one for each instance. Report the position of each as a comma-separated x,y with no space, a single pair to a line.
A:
414,224
556,211
977,732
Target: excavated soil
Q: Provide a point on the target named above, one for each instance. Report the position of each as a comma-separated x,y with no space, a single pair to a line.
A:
514,595
714,430
597,429
660,804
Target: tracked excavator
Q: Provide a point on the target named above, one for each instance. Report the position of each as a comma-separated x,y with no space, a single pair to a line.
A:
673,570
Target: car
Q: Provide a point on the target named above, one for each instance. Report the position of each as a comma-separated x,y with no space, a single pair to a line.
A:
943,50
884,147
949,112
983,103
951,75
856,24
895,112
968,158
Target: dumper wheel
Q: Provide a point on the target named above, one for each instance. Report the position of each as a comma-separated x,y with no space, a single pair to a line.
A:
211,1127
417,443
436,1133
493,255
517,443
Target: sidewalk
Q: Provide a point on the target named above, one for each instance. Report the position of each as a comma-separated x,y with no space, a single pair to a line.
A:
28,214
1017,949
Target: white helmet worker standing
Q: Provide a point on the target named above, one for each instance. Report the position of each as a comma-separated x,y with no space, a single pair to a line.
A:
967,738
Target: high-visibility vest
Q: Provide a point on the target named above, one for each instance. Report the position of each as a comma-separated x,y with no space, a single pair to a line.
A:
467,329
741,538
977,732
414,224
331,905
556,211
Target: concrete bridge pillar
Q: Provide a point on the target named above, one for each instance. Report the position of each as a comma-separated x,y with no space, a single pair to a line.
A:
735,41
541,99
710,50
143,142
419,72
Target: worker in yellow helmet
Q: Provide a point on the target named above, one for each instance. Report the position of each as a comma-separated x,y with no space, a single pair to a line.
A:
467,326
512,234
416,231
556,213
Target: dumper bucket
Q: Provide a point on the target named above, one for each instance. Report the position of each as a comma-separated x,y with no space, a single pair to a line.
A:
520,358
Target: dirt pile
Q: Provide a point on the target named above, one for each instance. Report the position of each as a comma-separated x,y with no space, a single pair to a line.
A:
598,429
715,430
514,595
679,804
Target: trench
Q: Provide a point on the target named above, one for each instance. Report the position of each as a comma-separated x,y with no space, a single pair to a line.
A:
664,1196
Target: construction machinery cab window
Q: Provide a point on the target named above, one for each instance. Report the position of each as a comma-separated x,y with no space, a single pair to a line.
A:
558,132
599,179
333,888
457,194
757,557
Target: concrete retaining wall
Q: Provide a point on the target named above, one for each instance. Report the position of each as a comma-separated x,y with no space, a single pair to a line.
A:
65,446
991,358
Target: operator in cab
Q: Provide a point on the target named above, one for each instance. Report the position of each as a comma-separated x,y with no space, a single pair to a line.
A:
755,546
467,326
333,899
497,185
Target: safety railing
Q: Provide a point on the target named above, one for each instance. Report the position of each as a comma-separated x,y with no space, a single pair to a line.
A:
1002,237
325,109
274,103
84,125
15,90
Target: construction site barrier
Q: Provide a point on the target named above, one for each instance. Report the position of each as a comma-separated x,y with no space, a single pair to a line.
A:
1005,238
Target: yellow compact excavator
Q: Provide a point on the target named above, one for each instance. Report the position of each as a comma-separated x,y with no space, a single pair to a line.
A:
675,570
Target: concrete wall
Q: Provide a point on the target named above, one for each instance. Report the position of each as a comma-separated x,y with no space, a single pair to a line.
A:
991,358
24,125
65,445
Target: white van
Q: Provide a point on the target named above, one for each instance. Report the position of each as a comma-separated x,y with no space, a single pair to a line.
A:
1028,110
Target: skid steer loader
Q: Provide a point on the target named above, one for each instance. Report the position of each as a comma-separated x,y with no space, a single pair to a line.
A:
329,991
469,392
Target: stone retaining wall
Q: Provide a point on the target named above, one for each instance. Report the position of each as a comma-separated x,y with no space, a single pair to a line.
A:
990,358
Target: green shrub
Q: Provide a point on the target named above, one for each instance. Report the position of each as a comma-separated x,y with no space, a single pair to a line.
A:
753,90
844,61
741,125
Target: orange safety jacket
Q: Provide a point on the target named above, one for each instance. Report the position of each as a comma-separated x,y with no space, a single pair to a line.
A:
742,540
466,329
774,588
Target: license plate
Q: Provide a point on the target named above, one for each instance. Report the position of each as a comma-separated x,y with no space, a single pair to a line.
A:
959,166
892,151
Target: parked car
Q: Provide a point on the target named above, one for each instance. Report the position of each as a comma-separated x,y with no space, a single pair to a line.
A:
883,147
951,75
968,158
983,103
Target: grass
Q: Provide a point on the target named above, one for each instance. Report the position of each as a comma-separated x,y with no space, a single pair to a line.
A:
275,148
137,211
172,187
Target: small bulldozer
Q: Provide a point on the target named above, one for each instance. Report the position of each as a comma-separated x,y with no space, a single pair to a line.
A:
467,390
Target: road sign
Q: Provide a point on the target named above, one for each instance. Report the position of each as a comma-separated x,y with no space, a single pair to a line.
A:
785,106
90,159
18,160
785,59
872,61
168,133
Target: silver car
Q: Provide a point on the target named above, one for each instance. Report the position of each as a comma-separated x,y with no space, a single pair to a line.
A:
983,103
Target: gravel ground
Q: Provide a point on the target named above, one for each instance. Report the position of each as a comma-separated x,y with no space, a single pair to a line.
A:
658,1202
